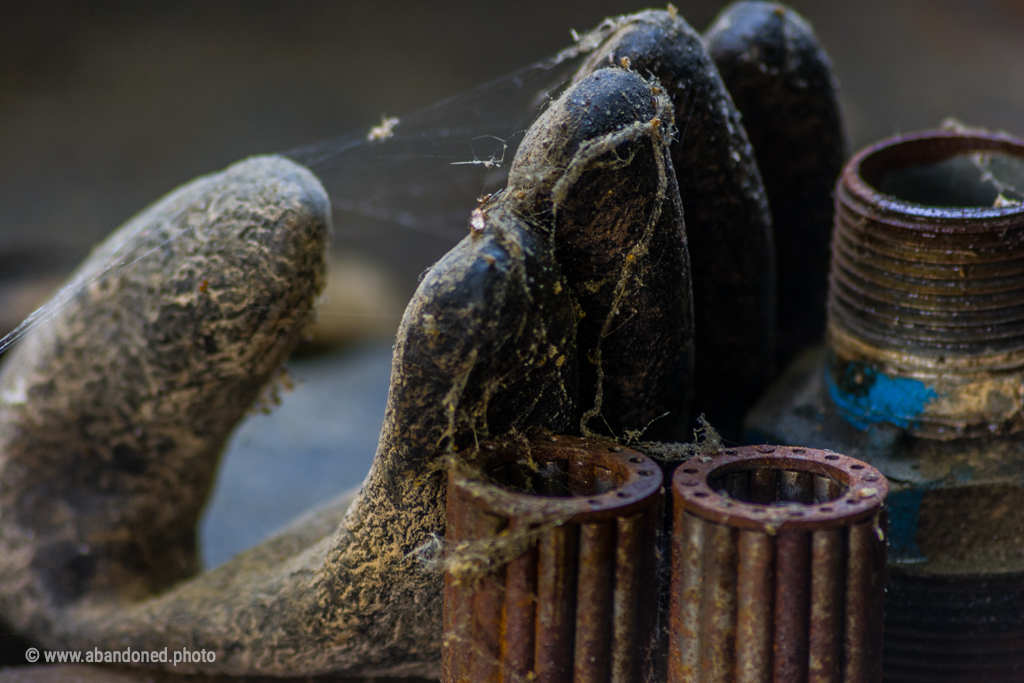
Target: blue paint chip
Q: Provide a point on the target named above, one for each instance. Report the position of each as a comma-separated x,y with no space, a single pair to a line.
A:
865,396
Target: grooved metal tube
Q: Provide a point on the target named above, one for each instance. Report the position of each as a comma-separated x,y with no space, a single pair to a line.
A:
550,563
627,602
520,610
755,590
792,592
488,602
689,540
719,606
786,584
926,333
926,297
824,644
594,603
556,605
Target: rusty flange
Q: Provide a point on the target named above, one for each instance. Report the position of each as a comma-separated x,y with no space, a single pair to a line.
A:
778,565
559,582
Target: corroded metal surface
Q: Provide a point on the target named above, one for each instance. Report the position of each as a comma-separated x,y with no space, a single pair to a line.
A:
955,585
579,599
926,307
922,379
778,566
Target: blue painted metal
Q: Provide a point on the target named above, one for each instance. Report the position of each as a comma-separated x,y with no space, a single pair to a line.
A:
876,397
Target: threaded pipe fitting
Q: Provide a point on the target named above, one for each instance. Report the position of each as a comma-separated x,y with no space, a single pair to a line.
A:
551,573
926,298
778,566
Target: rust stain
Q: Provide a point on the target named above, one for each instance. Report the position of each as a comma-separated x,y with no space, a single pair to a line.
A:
578,600
777,568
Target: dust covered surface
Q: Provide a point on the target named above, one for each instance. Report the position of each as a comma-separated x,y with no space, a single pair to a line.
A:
619,240
567,307
728,226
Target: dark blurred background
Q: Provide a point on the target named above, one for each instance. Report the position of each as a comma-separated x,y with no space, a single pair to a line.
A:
105,106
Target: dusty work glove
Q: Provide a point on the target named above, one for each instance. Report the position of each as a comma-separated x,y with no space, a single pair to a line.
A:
115,411
568,307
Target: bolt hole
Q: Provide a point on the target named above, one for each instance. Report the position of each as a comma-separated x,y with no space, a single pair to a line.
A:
856,467
644,473
799,451
691,470
622,494
688,482
826,509
635,459
871,478
594,502
851,502
831,457
700,494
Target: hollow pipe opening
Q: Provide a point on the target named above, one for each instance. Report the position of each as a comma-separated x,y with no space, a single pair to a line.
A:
558,472
779,487
950,171
776,486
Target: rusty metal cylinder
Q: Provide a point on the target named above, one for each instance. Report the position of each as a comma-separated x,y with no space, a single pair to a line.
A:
778,568
926,299
550,563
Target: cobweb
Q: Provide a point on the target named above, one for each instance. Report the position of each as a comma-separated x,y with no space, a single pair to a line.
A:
423,171
418,173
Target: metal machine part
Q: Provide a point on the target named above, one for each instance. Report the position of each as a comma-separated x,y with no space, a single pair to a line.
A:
550,563
922,379
926,308
778,560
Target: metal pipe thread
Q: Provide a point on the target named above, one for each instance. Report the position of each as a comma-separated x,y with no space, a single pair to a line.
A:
954,629
778,566
927,284
579,600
